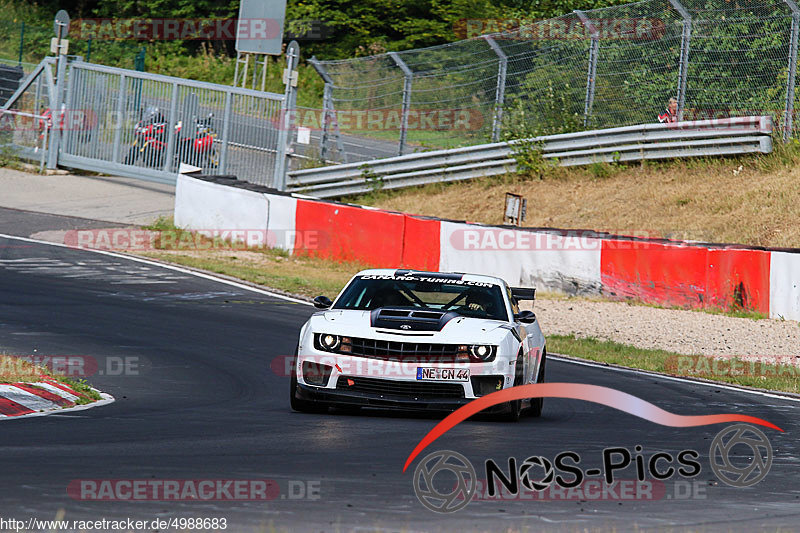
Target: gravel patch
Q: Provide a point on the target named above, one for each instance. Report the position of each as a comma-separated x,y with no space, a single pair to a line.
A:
684,332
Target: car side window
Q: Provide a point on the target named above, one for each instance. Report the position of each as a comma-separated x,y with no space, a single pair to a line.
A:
513,302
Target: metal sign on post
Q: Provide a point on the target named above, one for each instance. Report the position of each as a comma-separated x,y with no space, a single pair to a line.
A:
58,44
516,209
259,29
61,29
259,33
61,24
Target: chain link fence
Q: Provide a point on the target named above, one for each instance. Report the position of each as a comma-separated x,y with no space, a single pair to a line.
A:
602,68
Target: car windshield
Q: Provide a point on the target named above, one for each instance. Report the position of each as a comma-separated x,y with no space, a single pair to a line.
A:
472,299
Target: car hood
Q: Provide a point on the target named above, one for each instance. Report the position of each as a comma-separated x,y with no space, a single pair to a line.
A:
458,329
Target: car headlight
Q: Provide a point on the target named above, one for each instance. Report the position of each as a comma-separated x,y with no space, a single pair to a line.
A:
329,342
480,353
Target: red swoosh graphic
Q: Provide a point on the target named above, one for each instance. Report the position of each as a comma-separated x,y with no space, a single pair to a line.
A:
579,391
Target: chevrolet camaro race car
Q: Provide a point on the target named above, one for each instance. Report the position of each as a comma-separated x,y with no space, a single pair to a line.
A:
418,340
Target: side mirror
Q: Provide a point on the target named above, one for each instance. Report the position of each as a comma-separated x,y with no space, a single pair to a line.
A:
526,317
323,302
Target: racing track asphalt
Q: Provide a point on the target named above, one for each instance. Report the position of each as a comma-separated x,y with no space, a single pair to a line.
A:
204,404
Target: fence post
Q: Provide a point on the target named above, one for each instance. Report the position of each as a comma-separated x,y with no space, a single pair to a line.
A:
500,91
789,111
21,42
55,111
173,109
121,103
287,110
326,108
66,135
409,76
327,105
683,66
227,114
37,93
591,73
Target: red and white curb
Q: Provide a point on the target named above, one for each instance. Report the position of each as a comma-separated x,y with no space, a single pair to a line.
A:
18,400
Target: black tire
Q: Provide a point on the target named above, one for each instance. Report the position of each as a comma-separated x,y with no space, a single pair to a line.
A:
302,406
538,403
514,408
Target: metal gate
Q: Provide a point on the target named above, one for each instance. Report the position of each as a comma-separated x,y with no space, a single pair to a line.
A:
103,115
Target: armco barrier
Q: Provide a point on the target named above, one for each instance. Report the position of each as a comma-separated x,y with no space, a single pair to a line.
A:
700,138
696,275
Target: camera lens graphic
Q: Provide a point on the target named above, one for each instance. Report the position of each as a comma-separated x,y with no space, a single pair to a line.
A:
456,495
721,455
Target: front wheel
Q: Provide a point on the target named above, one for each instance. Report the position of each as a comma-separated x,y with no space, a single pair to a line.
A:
538,403
514,407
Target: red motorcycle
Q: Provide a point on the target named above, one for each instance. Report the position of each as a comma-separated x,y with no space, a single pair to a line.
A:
196,148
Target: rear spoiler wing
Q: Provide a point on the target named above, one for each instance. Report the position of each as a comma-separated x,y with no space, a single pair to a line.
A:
521,293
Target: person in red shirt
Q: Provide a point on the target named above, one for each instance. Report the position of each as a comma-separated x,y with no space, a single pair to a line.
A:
671,113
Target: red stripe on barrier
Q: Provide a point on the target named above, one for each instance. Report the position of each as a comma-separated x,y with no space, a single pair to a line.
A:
45,395
350,233
421,244
12,408
686,276
654,272
738,279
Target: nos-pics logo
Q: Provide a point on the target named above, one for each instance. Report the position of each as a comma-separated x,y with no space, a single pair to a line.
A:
445,481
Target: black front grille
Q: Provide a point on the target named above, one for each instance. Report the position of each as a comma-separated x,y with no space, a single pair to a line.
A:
401,351
412,390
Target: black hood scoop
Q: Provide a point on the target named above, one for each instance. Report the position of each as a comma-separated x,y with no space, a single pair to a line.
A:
405,319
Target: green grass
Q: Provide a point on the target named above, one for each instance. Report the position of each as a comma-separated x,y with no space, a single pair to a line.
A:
734,371
285,278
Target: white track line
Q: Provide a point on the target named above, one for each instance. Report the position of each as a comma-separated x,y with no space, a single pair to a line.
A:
211,277
648,373
162,265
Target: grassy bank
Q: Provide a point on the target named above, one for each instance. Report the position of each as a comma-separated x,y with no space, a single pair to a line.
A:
779,377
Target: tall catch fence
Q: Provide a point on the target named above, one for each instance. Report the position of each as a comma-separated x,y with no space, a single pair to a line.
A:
601,68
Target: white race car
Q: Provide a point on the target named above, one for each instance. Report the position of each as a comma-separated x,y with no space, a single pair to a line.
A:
418,340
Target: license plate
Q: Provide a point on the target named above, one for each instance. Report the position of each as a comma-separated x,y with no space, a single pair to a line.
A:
442,374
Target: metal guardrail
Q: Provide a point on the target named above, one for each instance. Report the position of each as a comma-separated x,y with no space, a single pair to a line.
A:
740,135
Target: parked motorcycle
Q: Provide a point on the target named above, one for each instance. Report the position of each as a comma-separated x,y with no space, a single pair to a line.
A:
194,146
150,140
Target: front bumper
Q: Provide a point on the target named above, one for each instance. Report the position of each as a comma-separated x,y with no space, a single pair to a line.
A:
339,398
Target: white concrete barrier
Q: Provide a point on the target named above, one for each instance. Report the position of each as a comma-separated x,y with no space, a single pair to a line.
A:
568,262
784,286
